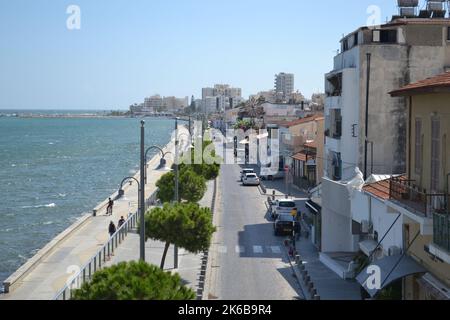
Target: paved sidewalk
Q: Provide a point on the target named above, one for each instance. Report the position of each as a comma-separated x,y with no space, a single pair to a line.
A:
328,284
189,264
54,268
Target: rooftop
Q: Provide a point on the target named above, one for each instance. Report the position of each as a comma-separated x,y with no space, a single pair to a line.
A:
436,84
304,120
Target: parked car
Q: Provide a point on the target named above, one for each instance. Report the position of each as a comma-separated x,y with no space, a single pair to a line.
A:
244,172
267,174
284,225
251,179
282,206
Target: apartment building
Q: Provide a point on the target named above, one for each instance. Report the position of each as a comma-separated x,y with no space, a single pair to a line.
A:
422,196
284,84
398,53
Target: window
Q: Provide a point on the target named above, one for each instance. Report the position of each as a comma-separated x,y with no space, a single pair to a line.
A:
388,36
355,39
435,153
418,147
448,33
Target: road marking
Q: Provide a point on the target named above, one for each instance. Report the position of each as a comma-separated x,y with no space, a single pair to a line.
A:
257,249
276,250
222,249
240,249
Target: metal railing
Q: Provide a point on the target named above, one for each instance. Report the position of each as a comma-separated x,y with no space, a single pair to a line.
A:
416,199
103,255
441,230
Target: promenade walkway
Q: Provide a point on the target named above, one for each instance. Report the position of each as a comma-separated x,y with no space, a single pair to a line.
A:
44,275
189,264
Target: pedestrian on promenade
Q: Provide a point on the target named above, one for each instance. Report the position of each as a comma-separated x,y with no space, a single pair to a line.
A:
112,228
109,208
121,222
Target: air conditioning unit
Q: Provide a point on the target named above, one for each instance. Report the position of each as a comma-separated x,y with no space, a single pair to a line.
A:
365,226
394,251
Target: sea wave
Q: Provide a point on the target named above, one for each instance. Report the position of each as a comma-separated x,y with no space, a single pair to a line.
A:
50,205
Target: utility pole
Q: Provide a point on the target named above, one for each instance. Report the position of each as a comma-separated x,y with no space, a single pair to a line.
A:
142,195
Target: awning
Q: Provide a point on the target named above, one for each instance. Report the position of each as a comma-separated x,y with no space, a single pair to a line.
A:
368,246
392,268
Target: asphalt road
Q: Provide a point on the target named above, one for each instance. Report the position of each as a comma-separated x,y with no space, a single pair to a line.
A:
248,261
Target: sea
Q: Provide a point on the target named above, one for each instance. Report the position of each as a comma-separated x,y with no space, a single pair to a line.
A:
54,170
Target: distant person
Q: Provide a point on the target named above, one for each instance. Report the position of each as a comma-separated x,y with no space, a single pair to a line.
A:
111,229
109,208
121,222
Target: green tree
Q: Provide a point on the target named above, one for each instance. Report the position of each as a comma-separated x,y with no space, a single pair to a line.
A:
191,185
185,225
166,187
134,281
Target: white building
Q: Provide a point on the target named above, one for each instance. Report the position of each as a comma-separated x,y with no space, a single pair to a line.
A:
403,51
220,98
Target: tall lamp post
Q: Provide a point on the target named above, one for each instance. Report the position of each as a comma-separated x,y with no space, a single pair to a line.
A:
162,163
177,199
141,210
142,193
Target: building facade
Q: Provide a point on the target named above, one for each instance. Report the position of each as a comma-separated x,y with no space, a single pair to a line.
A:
400,53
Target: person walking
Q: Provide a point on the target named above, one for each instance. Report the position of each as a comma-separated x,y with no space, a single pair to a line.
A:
109,208
121,222
111,229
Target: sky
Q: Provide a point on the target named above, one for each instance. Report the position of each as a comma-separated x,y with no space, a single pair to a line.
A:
126,50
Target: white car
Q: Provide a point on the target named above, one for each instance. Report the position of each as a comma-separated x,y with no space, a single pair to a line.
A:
251,179
282,207
244,173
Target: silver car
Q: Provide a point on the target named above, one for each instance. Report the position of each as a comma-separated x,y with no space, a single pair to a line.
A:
251,179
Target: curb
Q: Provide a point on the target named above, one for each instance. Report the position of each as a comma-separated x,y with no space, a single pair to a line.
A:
202,287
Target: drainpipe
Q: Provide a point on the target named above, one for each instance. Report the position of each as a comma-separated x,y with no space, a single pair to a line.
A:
409,138
367,115
446,194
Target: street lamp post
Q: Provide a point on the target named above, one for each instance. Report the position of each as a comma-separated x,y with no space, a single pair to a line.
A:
141,210
142,193
162,162
177,199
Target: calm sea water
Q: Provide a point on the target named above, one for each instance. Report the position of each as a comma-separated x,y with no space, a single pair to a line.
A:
54,170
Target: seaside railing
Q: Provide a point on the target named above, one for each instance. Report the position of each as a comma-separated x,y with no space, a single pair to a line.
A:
103,255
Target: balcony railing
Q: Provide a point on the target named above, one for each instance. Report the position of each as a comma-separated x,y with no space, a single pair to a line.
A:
441,231
416,199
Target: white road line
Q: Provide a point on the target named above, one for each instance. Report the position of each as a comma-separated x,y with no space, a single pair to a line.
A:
222,249
257,249
276,250
240,249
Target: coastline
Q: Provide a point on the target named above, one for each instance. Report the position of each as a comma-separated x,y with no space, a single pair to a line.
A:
27,268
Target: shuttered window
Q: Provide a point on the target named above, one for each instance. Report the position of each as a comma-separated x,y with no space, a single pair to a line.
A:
435,153
418,147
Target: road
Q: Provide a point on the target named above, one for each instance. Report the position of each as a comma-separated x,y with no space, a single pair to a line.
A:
248,261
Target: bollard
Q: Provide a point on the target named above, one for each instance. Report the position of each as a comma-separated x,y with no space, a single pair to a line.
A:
310,286
313,292
94,213
308,279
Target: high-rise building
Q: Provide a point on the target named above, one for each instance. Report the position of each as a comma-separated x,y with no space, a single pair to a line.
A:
284,84
220,98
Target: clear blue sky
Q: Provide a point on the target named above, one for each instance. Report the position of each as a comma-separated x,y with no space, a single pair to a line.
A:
127,50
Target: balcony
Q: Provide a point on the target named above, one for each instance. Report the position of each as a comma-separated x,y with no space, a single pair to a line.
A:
441,230
416,200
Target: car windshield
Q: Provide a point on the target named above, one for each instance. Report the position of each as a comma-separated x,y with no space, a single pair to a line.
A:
248,171
286,204
286,218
